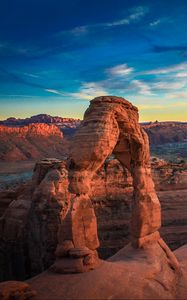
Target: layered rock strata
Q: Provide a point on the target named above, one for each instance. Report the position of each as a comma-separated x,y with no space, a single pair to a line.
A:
31,142
110,125
48,203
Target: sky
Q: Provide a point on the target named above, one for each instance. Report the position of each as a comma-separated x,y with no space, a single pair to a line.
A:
57,55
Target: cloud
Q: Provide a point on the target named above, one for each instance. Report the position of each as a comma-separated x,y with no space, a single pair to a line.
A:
169,85
141,87
31,75
9,76
89,90
55,92
173,68
120,70
136,14
181,74
155,23
79,30
180,95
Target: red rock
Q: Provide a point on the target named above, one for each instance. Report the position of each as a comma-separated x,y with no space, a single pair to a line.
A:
110,125
64,248
110,192
79,252
31,142
16,290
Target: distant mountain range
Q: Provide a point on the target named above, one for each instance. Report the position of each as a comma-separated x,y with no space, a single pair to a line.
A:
46,136
42,118
166,132
67,125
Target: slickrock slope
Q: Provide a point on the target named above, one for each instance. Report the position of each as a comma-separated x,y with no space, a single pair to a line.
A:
30,142
129,274
111,193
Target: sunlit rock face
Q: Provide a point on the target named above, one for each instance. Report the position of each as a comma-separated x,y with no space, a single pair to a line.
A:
33,141
48,200
111,194
111,125
144,262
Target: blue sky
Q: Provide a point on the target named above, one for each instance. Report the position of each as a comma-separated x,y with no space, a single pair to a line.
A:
57,55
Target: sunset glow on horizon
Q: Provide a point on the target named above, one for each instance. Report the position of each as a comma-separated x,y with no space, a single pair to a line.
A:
57,56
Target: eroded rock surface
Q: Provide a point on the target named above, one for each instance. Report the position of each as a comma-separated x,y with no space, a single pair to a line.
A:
111,194
49,201
17,290
31,141
111,125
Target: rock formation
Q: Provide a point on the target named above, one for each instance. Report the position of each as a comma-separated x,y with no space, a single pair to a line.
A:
46,201
46,205
32,141
166,132
17,290
42,118
110,125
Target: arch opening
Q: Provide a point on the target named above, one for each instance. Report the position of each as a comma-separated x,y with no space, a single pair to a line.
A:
110,126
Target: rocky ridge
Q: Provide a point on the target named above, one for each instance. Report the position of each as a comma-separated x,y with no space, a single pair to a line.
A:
32,141
166,132
42,118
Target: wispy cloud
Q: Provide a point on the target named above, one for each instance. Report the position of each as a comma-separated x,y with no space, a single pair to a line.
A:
141,87
181,74
57,92
180,95
155,23
120,70
173,68
31,75
137,13
79,30
89,90
169,85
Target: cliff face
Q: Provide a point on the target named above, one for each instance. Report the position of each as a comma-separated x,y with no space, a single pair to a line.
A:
31,130
31,215
158,132
30,142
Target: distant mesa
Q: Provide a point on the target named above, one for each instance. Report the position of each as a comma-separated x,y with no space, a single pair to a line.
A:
31,141
60,196
41,118
158,132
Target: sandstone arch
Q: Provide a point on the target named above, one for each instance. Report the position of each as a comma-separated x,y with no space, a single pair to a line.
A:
110,125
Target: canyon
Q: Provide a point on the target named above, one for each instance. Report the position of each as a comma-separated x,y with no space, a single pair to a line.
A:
32,214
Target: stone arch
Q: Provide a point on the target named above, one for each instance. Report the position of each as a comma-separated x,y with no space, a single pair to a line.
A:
110,125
